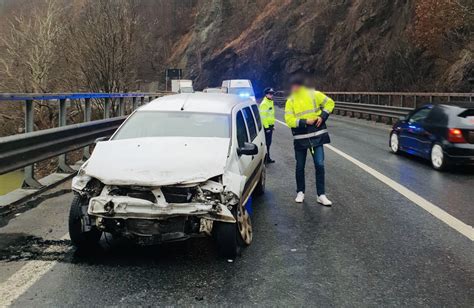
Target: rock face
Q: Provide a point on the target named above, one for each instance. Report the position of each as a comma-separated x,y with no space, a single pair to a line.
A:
341,44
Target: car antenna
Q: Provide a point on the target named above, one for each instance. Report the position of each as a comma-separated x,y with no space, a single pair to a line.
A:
184,103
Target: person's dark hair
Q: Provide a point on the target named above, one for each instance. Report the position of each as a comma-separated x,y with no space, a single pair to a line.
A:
297,80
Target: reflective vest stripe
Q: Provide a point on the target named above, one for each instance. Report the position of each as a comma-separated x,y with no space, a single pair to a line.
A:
310,135
324,102
299,114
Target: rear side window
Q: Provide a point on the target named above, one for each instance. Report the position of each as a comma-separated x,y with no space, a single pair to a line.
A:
250,122
419,116
257,116
241,130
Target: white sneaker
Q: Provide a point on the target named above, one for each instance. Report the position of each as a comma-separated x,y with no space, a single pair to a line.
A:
300,197
324,200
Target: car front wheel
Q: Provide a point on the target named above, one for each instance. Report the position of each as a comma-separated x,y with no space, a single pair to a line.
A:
78,224
438,159
394,143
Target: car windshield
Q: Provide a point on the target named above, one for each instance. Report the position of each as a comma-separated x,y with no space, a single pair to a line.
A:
186,90
242,91
174,124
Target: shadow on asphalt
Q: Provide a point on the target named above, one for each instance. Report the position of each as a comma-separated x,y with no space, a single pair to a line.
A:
110,252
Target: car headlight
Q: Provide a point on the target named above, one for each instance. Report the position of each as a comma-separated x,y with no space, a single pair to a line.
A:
80,181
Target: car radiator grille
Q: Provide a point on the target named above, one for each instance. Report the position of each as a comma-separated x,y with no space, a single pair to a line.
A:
178,194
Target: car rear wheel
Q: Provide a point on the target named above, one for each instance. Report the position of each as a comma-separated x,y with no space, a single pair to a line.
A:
394,143
78,223
438,159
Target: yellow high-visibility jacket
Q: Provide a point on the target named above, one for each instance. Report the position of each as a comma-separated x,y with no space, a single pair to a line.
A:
308,104
267,112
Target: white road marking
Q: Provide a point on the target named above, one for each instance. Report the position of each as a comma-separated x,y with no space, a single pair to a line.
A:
434,210
18,283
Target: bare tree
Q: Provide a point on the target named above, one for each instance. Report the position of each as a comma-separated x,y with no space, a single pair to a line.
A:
31,49
106,44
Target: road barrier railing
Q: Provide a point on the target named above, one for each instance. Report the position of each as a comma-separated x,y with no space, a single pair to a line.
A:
383,106
26,149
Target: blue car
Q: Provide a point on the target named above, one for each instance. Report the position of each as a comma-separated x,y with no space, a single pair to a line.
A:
441,133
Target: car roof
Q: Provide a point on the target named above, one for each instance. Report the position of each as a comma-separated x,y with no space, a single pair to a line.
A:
196,102
468,105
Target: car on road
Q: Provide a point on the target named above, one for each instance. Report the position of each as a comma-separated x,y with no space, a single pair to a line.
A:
442,133
212,90
241,87
181,166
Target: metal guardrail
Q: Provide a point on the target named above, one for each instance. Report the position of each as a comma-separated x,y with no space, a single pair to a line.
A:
400,99
23,150
19,151
389,112
388,105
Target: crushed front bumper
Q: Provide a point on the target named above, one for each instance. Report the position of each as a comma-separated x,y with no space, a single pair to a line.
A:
125,207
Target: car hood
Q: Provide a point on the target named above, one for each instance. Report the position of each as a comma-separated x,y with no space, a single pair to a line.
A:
158,161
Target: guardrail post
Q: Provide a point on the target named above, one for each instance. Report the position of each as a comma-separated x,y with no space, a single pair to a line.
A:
62,163
29,180
431,98
87,117
414,101
390,100
402,100
121,106
142,100
449,98
134,103
106,108
378,99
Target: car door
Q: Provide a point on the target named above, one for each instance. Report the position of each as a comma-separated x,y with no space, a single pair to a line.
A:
254,138
417,137
242,136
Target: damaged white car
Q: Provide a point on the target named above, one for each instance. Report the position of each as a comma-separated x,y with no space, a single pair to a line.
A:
181,166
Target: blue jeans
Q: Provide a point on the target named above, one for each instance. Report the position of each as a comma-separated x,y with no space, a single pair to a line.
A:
318,158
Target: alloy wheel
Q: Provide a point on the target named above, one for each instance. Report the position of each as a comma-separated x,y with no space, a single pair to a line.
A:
244,225
394,144
437,156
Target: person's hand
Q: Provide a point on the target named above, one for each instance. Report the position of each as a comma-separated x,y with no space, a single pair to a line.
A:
319,121
310,121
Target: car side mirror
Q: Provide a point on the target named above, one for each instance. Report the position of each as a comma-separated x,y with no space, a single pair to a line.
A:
248,149
100,139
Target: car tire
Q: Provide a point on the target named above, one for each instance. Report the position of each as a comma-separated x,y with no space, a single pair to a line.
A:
394,143
225,235
260,188
437,157
79,238
244,227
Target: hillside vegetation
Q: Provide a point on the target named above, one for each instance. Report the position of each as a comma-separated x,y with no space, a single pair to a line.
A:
125,45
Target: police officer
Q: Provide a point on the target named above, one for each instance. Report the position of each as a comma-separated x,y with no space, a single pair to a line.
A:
306,113
267,112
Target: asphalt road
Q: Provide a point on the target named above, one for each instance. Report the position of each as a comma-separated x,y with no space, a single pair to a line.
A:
374,247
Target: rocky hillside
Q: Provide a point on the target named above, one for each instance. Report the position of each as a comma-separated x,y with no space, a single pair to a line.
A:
343,45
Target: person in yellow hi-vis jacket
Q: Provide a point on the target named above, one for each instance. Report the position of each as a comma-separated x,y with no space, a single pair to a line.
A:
267,113
306,113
